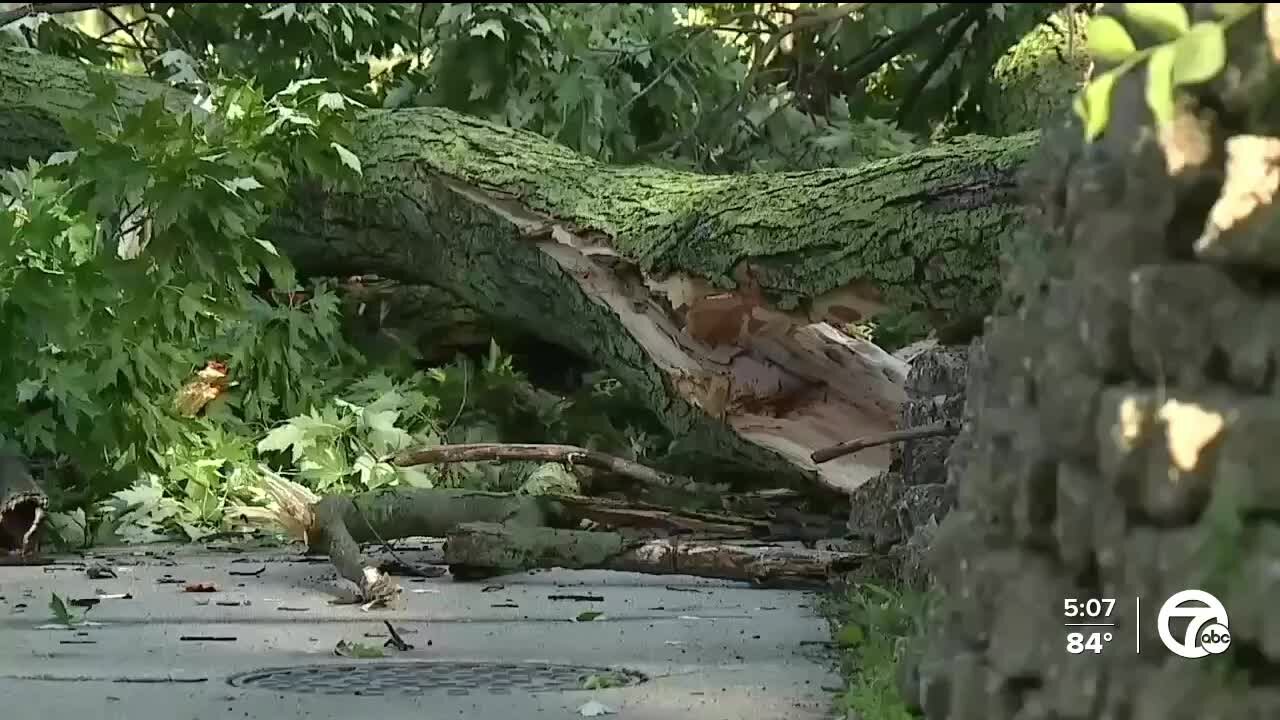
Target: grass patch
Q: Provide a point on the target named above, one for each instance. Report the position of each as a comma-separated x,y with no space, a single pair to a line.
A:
872,626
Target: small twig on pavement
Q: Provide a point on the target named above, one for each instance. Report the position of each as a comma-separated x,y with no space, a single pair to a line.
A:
395,640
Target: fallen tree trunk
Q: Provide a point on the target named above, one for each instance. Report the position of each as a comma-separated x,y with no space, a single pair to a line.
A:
484,549
720,299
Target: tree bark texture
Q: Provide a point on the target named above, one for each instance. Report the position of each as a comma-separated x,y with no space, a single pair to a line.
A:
722,298
479,548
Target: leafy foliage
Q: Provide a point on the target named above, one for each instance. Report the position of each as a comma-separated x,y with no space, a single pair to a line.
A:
711,86
872,626
1190,54
141,256
126,263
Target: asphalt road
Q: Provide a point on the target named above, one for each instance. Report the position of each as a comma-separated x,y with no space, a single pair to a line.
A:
278,638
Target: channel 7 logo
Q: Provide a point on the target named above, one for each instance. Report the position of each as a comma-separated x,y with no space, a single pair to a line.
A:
1206,632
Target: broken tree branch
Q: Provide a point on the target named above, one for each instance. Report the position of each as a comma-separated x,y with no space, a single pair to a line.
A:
336,525
568,454
478,549
862,443
647,516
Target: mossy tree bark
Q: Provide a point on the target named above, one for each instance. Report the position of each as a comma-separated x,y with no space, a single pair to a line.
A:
721,298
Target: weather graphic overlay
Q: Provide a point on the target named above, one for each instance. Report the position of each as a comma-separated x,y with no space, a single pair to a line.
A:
1206,632
1191,624
1089,624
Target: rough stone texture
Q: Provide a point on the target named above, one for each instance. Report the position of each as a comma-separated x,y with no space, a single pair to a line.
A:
896,512
1122,434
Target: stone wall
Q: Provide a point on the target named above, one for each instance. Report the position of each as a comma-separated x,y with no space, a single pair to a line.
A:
1125,421
894,514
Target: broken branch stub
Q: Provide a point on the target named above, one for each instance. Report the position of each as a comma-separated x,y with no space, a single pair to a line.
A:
23,504
852,446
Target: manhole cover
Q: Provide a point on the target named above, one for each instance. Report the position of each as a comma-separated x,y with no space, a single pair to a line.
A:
453,678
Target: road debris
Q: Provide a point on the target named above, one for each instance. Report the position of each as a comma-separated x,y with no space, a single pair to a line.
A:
395,640
357,650
595,709
99,571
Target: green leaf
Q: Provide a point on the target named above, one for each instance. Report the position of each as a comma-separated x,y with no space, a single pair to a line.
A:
1108,40
1200,54
492,26
59,610
242,183
415,477
332,101
551,479
139,496
1159,91
29,389
384,436
297,85
359,651
63,157
850,635
480,90
1168,20
286,10
451,12
348,158
1097,104
70,527
283,437
588,616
